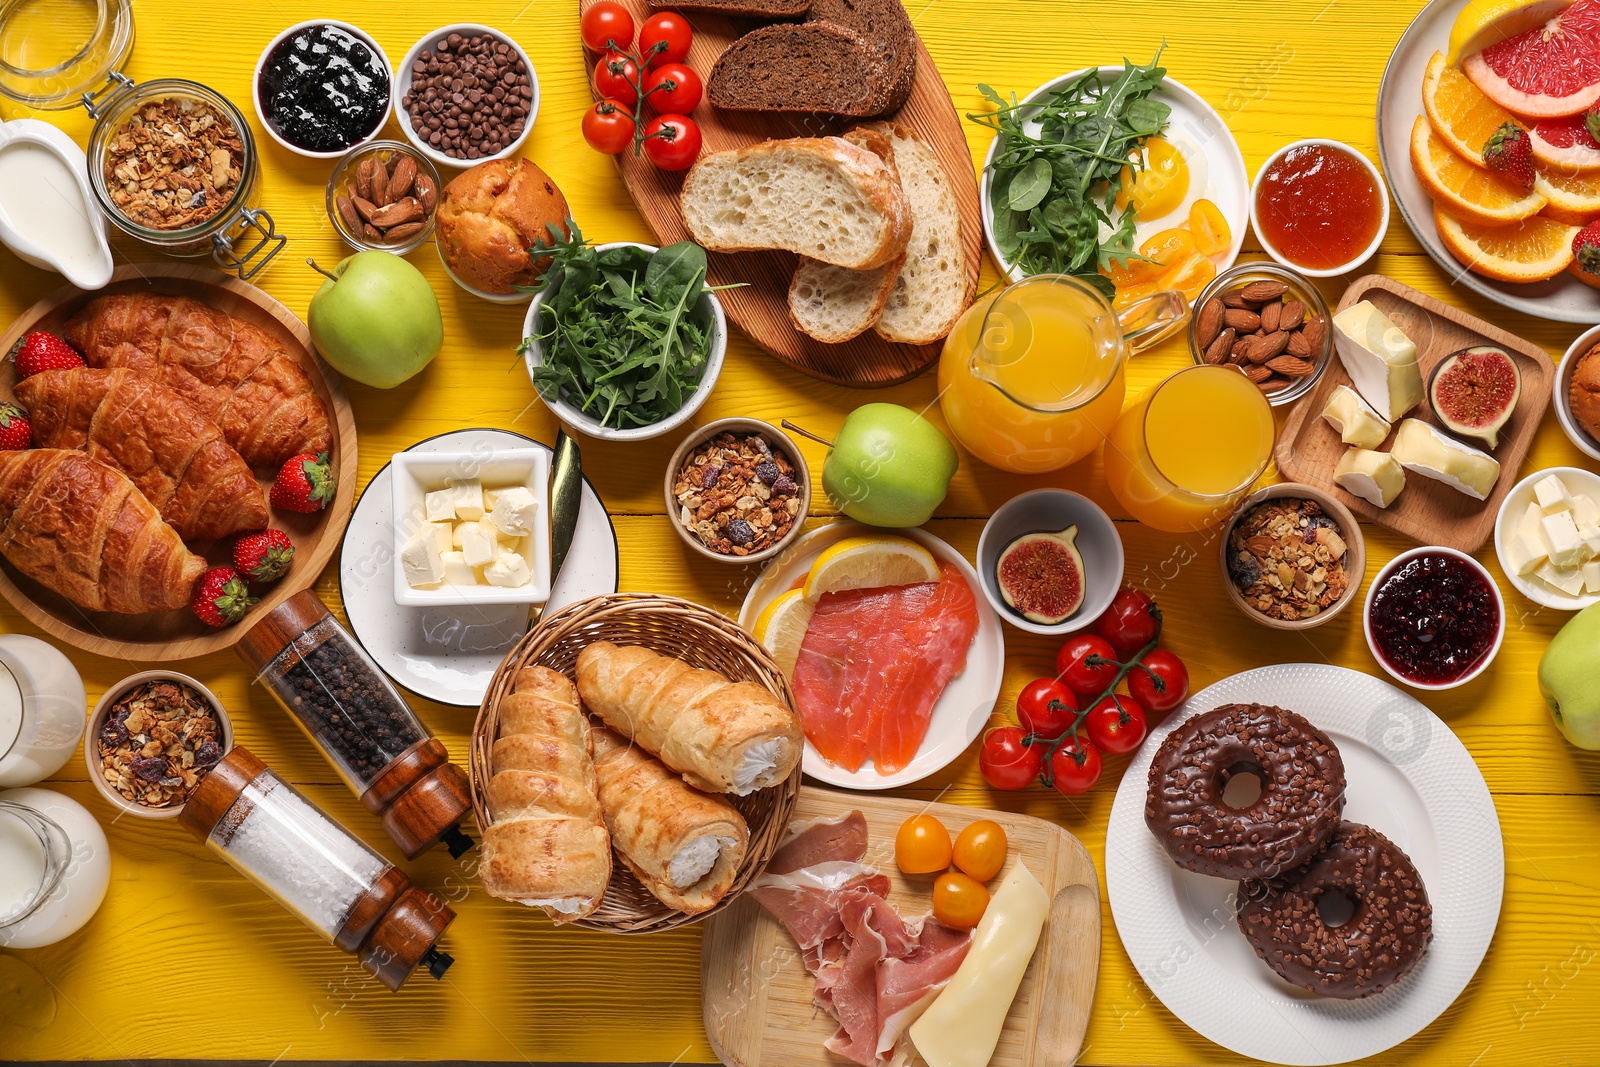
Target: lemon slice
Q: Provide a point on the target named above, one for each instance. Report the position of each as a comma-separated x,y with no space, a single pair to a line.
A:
1485,22
781,628
870,563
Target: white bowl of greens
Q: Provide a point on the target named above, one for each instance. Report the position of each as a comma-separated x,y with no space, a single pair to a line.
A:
611,375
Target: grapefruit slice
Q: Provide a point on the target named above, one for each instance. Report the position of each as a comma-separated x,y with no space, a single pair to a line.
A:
1564,146
1547,71
1531,251
1573,198
1486,22
1458,111
1467,191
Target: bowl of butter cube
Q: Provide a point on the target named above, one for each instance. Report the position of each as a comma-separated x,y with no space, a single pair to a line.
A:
1547,536
471,527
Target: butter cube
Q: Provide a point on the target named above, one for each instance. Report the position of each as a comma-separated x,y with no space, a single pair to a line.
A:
440,534
1590,534
489,497
457,571
1567,580
421,562
1380,359
508,542
439,506
1585,510
477,543
1528,536
1591,577
1551,494
1561,539
1521,559
469,499
508,570
514,511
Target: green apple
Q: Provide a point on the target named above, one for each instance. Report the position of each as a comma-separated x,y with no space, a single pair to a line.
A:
888,466
1569,678
376,319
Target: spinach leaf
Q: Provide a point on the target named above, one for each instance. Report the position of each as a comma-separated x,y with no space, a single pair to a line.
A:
1029,186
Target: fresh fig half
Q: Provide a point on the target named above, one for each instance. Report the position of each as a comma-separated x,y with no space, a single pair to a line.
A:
1474,391
1040,575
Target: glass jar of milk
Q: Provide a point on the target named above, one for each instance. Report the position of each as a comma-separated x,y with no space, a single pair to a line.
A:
42,710
55,867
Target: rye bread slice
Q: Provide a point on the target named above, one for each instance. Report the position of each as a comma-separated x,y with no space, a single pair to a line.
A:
886,27
806,67
761,9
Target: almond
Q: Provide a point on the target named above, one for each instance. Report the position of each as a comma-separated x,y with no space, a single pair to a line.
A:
1261,292
1208,323
403,231
1219,349
1234,300
1273,384
1241,319
1257,373
1293,366
405,172
364,171
396,214
1298,345
380,184
1293,315
1270,313
1241,350
364,207
1271,345
425,192
347,212
1316,331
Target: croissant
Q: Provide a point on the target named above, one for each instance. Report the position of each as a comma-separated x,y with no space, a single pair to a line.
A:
547,846
722,736
174,454
684,845
255,391
83,530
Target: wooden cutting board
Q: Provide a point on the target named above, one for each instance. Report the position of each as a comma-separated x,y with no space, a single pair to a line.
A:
761,307
1427,511
757,995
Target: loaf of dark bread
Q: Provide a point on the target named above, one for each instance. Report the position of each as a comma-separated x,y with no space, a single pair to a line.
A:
758,9
807,66
886,28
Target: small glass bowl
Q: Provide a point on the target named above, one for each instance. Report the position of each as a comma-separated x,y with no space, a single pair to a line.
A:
343,180
1300,286
86,42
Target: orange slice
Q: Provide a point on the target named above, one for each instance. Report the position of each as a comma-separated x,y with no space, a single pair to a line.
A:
1467,191
1458,111
1528,251
1573,198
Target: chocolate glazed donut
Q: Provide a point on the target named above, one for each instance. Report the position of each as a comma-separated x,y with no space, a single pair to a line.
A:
1384,937
1302,792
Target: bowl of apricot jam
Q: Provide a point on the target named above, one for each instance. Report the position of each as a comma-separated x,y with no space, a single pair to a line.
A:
1319,206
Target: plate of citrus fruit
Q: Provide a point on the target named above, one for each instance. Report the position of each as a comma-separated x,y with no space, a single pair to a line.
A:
894,656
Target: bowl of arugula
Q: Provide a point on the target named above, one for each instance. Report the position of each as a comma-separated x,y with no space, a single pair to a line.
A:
624,341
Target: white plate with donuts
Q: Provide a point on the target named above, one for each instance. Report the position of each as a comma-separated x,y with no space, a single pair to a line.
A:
1407,776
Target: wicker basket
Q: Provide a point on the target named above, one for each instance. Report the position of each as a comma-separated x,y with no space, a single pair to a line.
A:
700,637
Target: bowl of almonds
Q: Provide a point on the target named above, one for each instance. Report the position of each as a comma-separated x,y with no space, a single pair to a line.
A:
1292,557
383,195
1268,321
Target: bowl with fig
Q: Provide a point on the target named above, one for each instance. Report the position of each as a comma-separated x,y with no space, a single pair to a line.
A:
1270,322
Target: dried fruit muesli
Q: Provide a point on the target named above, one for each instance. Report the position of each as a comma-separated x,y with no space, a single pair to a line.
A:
157,742
1286,558
175,164
737,494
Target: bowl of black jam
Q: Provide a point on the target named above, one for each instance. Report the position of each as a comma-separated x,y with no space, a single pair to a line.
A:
322,88
1434,618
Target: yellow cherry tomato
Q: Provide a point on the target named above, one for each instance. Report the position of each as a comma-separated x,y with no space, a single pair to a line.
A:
1189,276
1133,272
1211,233
1169,247
981,849
922,846
1159,187
959,900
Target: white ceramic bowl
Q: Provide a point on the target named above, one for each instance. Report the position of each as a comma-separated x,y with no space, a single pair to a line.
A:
1588,445
401,85
1383,200
1048,510
415,474
255,85
520,296
97,718
1512,510
1383,576
709,309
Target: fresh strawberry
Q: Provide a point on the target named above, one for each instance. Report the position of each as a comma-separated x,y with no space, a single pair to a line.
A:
1586,254
305,484
39,351
16,432
1509,153
220,597
263,556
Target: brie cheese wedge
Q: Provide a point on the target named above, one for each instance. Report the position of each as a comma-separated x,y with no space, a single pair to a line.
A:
1421,448
1354,418
1373,476
1380,359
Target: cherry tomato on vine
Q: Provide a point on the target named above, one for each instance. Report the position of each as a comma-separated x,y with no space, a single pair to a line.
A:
922,846
615,76
1075,766
1116,729
674,88
1081,678
980,849
959,900
671,28
1174,682
606,25
608,126
1046,708
1127,623
1005,761
672,142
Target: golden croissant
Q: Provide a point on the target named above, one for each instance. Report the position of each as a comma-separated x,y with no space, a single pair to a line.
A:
83,530
234,372
174,454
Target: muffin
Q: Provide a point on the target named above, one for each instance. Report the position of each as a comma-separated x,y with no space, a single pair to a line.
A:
1584,392
490,216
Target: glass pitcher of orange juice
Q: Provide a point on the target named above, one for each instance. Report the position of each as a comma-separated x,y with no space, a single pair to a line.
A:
1032,379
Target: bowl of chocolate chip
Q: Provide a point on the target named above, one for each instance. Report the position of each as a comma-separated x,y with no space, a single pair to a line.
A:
466,93
153,737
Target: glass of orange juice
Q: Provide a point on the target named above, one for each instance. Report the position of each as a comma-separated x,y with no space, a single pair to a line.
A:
1031,379
1190,449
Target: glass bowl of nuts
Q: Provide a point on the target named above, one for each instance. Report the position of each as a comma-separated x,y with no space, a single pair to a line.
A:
1268,321
152,738
383,195
1292,557
738,490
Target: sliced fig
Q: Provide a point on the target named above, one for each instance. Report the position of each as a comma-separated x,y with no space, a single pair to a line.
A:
1474,391
1040,575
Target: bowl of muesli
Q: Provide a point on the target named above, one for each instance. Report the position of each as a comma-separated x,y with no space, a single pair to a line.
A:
738,490
152,738
1292,557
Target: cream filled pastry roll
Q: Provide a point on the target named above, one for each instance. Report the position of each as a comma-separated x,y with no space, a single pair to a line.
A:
722,736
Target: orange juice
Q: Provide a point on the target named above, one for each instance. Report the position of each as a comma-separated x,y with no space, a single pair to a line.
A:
1190,449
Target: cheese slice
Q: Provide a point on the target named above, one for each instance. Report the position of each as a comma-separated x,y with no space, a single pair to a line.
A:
1373,476
1421,448
962,1027
1354,418
1380,359
1528,541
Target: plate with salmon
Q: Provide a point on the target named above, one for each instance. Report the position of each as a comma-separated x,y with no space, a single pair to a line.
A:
894,656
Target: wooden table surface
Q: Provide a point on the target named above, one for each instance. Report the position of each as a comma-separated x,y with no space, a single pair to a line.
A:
187,960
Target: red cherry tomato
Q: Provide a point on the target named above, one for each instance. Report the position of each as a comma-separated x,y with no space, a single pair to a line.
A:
1174,682
1075,767
1127,623
606,25
673,88
672,141
615,76
1005,761
608,127
1046,708
1081,678
665,38
1116,729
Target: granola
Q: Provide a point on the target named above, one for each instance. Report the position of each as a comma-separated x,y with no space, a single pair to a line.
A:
157,742
1286,558
738,495
175,164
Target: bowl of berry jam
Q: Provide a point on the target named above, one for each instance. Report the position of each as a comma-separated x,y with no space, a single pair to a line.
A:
322,88
1319,206
1434,618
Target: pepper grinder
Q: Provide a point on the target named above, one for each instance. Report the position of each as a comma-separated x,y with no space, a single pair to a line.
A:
340,698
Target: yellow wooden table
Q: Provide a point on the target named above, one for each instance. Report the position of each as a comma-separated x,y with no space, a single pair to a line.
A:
187,960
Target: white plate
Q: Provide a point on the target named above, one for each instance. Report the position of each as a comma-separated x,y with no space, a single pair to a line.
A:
962,709
1410,779
1192,121
1563,298
449,654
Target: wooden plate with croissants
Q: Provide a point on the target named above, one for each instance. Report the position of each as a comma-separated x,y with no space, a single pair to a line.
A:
148,462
